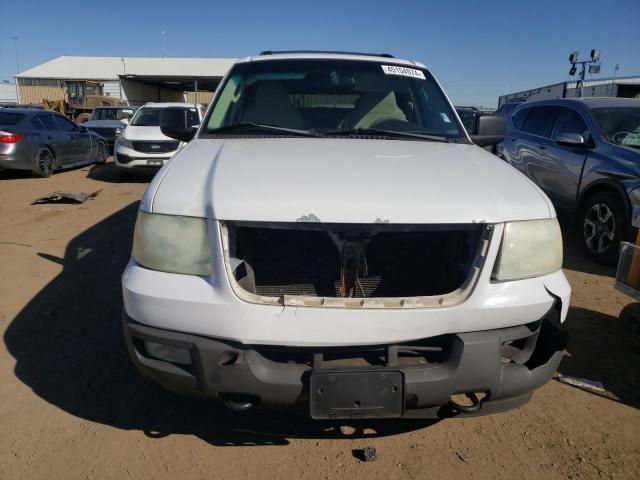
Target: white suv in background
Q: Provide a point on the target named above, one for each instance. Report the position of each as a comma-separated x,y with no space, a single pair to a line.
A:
142,146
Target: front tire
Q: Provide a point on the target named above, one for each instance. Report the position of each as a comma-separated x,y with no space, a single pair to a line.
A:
102,153
603,226
45,163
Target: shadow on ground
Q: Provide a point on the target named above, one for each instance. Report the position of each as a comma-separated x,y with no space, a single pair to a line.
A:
574,256
108,172
598,351
69,350
15,174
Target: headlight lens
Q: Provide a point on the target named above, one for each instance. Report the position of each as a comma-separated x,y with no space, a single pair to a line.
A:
123,142
172,243
117,131
529,249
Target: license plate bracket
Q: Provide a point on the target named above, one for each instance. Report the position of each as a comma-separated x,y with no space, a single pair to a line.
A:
356,394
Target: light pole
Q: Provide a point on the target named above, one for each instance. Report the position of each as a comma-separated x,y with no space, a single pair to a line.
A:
124,72
613,84
164,45
594,66
15,45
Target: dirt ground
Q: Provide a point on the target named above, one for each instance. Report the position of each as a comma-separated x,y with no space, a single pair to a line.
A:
72,405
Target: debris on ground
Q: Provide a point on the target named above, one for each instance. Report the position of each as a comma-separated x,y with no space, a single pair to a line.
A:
366,454
591,385
66,197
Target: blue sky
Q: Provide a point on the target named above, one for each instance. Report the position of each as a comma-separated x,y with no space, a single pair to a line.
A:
478,50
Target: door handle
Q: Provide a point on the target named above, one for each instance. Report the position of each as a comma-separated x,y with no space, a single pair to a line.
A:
542,146
49,137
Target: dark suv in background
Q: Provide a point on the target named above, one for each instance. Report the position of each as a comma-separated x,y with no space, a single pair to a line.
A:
585,154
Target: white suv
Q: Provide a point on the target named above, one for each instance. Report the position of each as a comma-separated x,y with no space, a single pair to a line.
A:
332,239
142,146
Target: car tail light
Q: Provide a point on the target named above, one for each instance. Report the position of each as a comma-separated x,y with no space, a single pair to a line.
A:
10,137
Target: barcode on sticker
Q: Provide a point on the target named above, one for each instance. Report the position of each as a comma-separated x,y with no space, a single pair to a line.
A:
404,71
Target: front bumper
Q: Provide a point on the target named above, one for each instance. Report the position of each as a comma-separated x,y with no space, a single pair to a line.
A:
505,365
129,159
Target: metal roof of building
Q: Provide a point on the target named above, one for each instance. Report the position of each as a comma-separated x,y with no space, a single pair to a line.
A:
110,68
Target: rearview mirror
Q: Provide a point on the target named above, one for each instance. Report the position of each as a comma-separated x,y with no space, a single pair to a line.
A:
176,123
571,140
490,130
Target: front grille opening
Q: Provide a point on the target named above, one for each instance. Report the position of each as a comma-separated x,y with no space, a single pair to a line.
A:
362,261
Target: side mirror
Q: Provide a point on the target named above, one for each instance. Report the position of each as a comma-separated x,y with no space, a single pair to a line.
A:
572,140
175,123
490,130
82,129
125,120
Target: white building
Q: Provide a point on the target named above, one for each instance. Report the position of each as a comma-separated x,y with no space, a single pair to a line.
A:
8,93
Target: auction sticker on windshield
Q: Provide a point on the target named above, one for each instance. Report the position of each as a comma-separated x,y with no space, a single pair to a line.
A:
404,71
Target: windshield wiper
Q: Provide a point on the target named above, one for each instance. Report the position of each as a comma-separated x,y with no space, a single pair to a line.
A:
264,127
385,133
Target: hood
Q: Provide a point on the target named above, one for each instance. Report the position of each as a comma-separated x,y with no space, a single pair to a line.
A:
343,181
133,132
103,124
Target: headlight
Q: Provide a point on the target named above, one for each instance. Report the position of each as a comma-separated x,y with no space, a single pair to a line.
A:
171,243
125,142
117,132
529,249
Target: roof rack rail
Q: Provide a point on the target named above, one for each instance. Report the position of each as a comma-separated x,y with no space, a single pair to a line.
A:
276,52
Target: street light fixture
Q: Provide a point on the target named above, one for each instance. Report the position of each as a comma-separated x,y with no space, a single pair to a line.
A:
594,66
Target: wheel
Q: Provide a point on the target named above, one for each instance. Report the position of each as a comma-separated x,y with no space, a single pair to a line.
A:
603,225
102,153
44,164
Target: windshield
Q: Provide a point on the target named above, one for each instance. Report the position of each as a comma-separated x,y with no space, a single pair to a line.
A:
112,113
333,96
150,117
619,125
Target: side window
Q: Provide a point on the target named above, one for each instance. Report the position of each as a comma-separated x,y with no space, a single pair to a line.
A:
64,124
48,122
519,117
37,124
570,121
540,121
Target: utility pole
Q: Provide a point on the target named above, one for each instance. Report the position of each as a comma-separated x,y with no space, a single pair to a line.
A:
164,45
15,45
613,84
594,66
124,72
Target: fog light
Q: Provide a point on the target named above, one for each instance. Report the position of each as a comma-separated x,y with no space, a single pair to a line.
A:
168,353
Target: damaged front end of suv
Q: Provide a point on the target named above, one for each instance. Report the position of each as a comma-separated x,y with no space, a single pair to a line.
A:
425,283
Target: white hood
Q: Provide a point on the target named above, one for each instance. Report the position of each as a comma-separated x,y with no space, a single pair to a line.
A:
133,132
343,181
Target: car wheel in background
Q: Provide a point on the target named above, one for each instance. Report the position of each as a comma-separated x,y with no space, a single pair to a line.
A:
45,163
602,226
102,153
